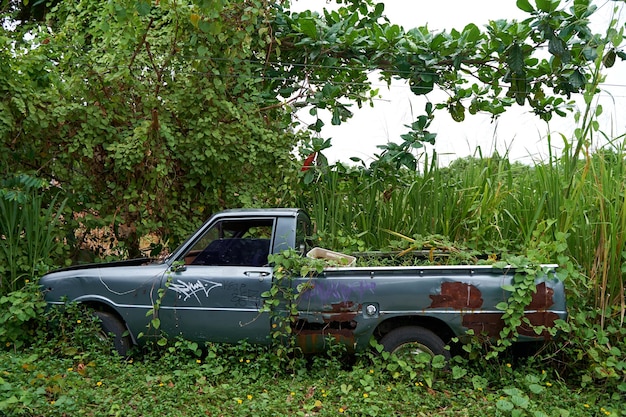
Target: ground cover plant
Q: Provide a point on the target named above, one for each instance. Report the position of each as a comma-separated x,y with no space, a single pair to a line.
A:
243,380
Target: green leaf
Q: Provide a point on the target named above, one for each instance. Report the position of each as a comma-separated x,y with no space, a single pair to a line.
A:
471,33
580,8
609,59
336,120
308,27
317,126
422,83
547,6
143,7
204,26
558,47
458,372
457,111
521,401
504,405
515,58
525,6
536,388
577,80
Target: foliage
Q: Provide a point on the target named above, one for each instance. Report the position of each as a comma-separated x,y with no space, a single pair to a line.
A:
30,215
566,211
153,328
21,313
241,380
418,369
281,300
480,70
141,110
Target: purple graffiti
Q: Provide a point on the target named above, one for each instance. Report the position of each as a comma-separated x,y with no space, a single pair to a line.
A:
330,291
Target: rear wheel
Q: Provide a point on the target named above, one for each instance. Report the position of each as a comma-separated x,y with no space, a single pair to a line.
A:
412,340
113,329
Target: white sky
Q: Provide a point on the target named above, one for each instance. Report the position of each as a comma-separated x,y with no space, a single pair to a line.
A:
517,130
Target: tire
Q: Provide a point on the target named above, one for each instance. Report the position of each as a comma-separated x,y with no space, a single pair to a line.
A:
113,328
412,340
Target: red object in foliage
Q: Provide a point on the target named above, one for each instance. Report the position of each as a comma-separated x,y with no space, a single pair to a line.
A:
308,162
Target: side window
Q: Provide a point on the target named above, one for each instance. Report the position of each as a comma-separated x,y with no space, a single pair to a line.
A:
233,243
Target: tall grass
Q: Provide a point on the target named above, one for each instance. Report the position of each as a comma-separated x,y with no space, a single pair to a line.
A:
607,265
28,230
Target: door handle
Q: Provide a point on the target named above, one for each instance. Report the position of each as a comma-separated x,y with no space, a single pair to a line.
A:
259,274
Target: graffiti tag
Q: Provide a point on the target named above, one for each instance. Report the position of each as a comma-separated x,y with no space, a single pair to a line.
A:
186,290
241,295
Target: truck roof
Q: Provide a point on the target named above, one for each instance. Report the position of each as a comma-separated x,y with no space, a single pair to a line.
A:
280,211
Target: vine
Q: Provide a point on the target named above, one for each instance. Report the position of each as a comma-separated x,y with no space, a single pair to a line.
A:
521,291
155,321
544,245
281,300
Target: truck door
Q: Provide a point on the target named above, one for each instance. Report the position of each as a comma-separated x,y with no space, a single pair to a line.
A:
215,292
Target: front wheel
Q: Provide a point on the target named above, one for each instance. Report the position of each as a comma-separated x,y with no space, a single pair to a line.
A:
114,329
413,340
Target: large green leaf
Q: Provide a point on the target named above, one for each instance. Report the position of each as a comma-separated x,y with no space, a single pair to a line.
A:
547,6
143,7
525,6
558,48
515,58
308,27
471,33
609,58
577,80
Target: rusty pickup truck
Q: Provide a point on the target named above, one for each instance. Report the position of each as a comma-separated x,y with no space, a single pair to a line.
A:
210,290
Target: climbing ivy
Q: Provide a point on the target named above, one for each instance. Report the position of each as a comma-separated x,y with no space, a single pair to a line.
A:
281,300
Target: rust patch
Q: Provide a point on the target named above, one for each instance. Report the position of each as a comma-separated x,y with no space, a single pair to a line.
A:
484,323
541,318
543,298
345,311
338,323
457,295
312,341
491,324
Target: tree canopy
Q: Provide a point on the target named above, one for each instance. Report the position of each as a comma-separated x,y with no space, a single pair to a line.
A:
152,114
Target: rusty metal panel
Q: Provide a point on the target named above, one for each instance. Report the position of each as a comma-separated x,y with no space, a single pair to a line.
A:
457,295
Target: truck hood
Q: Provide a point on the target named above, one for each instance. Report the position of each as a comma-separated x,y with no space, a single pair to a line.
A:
129,262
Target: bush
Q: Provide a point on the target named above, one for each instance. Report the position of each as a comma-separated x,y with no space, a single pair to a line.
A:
21,316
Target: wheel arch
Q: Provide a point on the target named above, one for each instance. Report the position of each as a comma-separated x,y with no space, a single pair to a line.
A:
104,306
435,325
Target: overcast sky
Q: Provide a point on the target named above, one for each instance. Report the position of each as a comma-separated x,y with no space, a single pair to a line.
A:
518,130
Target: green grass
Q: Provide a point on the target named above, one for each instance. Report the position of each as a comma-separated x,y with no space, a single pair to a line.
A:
242,381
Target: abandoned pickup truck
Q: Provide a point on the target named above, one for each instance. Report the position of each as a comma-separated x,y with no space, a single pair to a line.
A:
210,290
